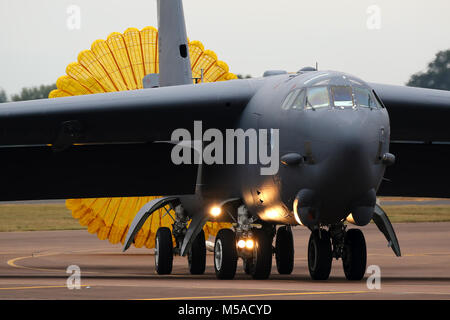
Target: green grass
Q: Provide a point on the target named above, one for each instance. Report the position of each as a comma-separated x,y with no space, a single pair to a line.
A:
418,213
33,217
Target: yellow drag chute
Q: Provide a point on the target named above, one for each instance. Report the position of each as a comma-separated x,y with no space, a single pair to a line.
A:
120,63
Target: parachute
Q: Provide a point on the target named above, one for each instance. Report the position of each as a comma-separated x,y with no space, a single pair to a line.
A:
120,63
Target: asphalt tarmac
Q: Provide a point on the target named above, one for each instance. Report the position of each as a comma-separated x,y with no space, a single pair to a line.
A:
33,265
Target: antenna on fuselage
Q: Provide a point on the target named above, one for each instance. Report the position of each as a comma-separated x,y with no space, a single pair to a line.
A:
317,66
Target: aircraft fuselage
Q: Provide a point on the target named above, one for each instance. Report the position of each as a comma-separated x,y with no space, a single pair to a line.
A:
334,133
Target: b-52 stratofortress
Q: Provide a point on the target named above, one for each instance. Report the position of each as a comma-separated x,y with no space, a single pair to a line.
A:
265,154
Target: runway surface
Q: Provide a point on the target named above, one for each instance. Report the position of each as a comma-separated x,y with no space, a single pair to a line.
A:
33,266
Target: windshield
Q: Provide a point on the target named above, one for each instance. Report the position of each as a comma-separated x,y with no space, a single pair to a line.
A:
325,96
317,97
342,96
289,99
364,98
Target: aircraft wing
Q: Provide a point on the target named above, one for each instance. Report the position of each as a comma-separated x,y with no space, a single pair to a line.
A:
420,140
105,145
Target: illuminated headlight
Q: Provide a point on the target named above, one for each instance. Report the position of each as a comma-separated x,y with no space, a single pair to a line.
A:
249,243
215,211
241,244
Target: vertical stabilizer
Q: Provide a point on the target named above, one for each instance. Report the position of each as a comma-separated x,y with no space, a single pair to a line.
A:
174,62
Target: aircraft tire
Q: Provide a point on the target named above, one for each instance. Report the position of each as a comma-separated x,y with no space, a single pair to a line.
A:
262,255
163,251
354,256
225,254
284,250
197,255
319,255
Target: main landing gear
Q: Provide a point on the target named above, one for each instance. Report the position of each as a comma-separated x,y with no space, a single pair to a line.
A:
252,240
165,250
197,255
284,250
225,254
324,245
254,246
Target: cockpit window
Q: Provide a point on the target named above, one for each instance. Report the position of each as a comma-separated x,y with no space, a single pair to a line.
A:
299,100
289,99
317,97
294,100
364,98
342,96
378,101
323,96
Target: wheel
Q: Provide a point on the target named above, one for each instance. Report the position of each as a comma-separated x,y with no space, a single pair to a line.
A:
319,255
163,251
262,255
284,250
225,255
354,256
197,255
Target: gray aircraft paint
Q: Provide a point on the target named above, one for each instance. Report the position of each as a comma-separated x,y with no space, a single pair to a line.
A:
174,61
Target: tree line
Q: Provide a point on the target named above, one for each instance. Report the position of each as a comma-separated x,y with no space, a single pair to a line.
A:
32,93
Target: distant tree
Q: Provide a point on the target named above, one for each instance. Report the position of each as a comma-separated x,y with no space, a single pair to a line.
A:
3,97
240,76
437,76
34,93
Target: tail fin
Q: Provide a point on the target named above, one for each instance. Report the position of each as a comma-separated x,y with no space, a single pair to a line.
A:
174,61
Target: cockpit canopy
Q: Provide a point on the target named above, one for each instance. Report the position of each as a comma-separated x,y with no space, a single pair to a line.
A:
333,96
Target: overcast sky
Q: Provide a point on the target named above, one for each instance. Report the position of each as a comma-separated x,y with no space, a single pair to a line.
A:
378,40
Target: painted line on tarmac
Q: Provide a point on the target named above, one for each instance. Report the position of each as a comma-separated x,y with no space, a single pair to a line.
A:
12,263
39,287
262,295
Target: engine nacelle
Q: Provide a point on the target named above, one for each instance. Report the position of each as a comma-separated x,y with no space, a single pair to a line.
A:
363,209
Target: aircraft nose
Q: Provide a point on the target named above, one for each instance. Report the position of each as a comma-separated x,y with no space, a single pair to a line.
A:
347,151
343,161
355,145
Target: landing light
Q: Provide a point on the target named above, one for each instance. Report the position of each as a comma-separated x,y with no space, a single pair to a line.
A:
215,211
249,244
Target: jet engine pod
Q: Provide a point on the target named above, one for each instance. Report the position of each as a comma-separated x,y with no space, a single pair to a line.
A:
363,209
306,211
